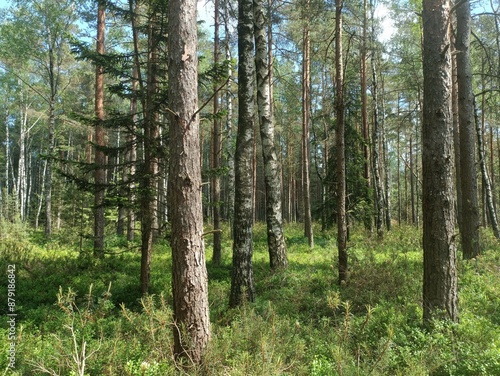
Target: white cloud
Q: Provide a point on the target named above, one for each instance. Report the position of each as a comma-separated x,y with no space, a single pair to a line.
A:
386,22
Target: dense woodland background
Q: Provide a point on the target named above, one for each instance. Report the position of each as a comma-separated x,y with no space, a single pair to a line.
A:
310,121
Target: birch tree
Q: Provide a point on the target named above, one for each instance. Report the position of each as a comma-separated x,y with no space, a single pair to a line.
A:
242,281
272,171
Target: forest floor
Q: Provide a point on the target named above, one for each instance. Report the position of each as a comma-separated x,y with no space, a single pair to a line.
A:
77,314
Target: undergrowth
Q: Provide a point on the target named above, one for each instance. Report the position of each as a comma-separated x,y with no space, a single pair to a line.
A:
82,316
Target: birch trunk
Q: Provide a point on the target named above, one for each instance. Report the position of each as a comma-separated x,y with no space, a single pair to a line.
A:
242,281
272,171
492,216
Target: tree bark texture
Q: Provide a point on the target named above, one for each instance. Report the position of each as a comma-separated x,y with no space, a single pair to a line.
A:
216,153
242,281
189,274
100,139
378,191
488,192
132,156
149,191
272,171
456,138
469,230
341,171
440,298
306,124
364,106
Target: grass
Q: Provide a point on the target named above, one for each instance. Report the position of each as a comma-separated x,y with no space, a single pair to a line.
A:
79,315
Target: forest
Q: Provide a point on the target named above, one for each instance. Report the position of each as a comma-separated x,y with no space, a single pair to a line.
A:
249,187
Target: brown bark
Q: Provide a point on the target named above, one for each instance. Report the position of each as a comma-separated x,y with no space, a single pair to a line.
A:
469,230
100,139
189,274
149,179
364,104
216,154
341,171
440,297
306,125
456,138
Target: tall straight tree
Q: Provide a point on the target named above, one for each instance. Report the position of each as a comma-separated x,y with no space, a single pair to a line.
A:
378,191
306,125
490,206
440,269
341,171
189,273
100,137
216,152
469,230
242,282
149,191
35,38
272,171
364,102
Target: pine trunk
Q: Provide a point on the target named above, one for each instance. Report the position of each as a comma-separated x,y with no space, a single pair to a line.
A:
189,274
469,230
216,154
341,169
306,124
365,131
149,204
440,298
100,140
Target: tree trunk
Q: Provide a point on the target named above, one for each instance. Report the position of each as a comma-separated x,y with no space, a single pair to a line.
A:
100,139
230,146
149,191
341,171
189,274
440,297
22,184
387,174
470,207
132,157
456,137
365,131
216,154
48,170
378,191
414,218
5,190
242,282
272,171
306,124
492,216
